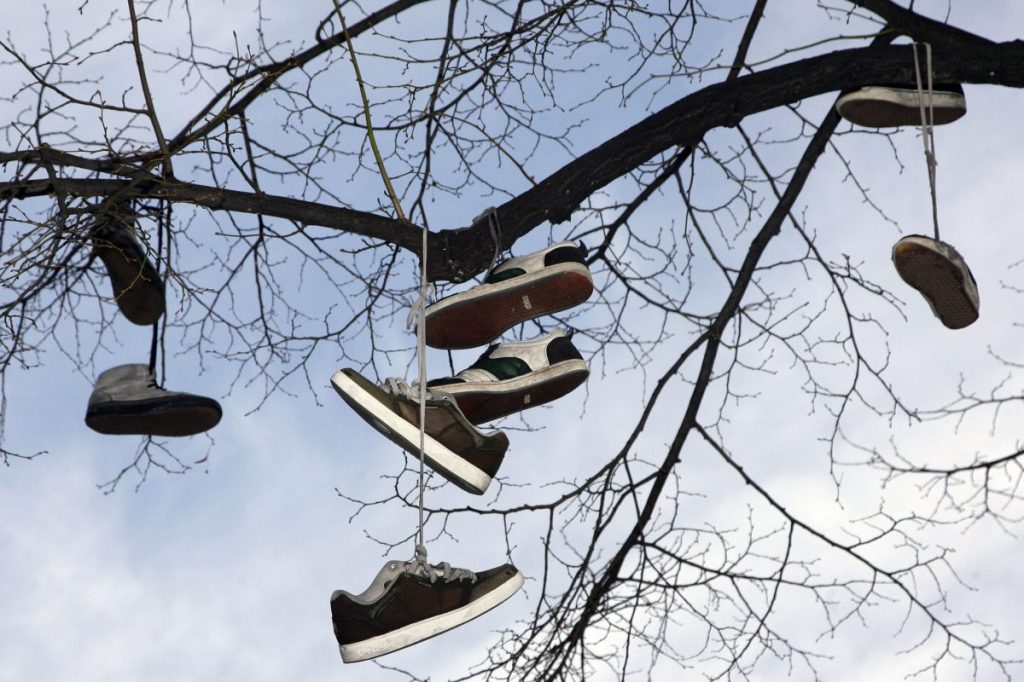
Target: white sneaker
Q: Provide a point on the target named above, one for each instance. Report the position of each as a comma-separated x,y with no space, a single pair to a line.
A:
891,106
519,289
513,376
941,275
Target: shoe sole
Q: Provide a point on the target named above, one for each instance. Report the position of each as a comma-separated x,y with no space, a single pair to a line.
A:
879,107
477,317
407,436
431,627
940,283
154,418
486,401
140,300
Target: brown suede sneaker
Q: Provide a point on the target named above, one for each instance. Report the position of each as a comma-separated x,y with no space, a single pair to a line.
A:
453,447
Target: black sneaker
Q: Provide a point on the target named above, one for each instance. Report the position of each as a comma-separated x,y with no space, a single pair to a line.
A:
127,401
511,377
138,290
891,106
941,275
519,289
453,447
410,601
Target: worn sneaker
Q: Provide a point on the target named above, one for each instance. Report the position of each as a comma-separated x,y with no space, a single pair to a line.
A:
410,601
891,106
519,289
453,447
127,401
138,290
941,275
511,377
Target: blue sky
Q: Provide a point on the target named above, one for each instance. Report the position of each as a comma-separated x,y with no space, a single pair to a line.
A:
224,572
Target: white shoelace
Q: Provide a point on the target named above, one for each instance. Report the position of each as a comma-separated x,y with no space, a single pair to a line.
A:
419,567
928,125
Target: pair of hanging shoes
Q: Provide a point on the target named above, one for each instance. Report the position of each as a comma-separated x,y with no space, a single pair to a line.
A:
125,399
932,267
507,378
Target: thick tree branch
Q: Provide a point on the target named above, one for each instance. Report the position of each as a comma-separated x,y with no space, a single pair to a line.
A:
465,252
308,212
458,254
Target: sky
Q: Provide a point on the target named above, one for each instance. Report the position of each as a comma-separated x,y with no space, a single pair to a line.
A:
224,572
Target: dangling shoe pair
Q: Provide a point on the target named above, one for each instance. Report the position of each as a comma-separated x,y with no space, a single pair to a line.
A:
932,267
125,399
507,378
410,601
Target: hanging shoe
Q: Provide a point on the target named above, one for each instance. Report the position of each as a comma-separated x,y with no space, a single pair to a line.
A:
941,275
511,377
453,447
410,601
891,106
127,401
138,290
519,289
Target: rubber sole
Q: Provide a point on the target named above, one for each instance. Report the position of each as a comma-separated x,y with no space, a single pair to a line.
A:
407,436
154,418
486,401
137,288
478,316
883,107
431,627
939,281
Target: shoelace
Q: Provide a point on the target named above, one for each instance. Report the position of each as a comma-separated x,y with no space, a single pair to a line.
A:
403,389
491,215
926,86
420,568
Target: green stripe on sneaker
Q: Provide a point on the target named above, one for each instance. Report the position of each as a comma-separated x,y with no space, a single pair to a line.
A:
503,368
496,277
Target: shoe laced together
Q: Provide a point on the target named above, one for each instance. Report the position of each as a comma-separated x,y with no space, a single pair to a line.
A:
419,567
402,389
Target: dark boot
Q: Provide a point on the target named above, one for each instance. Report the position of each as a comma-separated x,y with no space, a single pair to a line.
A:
138,290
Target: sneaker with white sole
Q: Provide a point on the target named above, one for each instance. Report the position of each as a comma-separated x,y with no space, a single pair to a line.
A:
127,401
453,447
513,376
891,106
410,601
519,289
941,275
138,289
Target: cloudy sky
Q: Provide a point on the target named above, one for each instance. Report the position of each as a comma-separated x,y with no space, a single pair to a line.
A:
224,572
